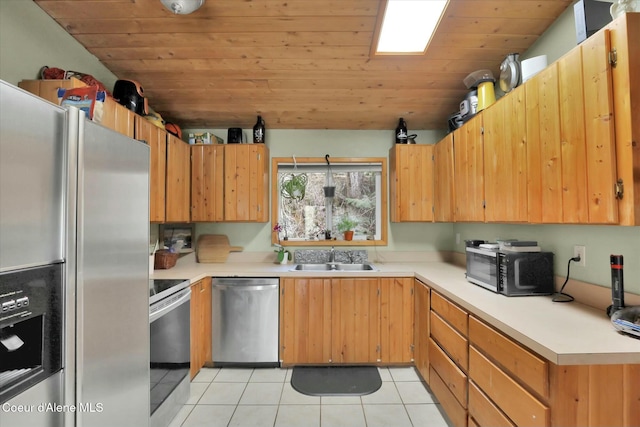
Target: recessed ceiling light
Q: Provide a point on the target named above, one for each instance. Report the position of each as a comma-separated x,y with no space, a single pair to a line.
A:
408,25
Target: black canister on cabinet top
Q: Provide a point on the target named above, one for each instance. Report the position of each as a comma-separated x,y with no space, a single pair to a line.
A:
401,132
258,131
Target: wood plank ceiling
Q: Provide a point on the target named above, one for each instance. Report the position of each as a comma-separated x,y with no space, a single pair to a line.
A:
301,64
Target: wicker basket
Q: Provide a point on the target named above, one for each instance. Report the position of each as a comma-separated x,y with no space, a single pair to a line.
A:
165,259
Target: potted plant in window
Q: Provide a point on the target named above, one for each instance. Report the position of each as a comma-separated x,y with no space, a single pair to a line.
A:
283,255
346,226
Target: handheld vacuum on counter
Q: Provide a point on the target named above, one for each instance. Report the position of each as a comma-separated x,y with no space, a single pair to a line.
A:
624,319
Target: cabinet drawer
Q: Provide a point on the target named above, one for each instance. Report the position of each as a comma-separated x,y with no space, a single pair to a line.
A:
451,341
483,411
453,377
454,315
516,402
527,367
456,413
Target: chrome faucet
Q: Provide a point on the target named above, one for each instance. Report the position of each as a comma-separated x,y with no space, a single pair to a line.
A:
332,255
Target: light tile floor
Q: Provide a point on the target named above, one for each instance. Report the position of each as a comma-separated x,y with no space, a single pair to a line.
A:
264,397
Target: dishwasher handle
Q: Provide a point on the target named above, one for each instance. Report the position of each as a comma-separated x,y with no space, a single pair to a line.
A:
251,287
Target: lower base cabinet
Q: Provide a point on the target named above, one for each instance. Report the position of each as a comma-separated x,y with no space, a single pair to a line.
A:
200,325
346,320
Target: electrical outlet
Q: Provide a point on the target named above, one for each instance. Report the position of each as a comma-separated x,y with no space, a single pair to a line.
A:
457,238
582,252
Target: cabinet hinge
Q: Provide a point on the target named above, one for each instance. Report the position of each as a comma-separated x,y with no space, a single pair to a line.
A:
613,57
619,189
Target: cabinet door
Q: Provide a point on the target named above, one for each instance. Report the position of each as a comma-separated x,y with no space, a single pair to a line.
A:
469,171
207,183
396,320
411,182
544,149
305,321
118,117
178,180
157,140
443,188
355,320
599,129
421,340
505,159
246,182
196,310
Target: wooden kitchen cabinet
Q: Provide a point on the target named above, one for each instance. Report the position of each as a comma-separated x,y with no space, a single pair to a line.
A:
448,357
200,325
246,182
444,188
396,319
505,159
118,117
305,321
346,320
48,89
468,173
178,182
570,133
157,140
207,183
421,332
411,182
355,327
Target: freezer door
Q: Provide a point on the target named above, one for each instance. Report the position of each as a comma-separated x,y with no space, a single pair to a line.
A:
112,277
32,133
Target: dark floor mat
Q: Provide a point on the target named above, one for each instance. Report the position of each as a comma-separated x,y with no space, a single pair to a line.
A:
336,380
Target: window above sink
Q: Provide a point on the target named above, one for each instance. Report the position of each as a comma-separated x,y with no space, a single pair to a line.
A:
304,213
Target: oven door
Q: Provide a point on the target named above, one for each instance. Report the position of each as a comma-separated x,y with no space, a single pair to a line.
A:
170,345
482,268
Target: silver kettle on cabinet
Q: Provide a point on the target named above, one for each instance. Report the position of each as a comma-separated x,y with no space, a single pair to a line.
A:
510,72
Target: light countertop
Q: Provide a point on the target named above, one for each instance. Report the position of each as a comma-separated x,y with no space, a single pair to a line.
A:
563,333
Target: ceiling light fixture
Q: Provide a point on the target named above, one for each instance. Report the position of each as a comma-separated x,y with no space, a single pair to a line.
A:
408,25
182,7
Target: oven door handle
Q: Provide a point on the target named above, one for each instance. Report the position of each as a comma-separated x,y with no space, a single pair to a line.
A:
179,298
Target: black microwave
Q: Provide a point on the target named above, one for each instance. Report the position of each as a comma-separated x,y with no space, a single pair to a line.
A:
511,273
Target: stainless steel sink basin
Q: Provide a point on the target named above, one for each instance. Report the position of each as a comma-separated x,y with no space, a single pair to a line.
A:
334,267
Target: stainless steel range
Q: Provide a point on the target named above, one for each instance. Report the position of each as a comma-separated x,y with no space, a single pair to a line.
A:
170,353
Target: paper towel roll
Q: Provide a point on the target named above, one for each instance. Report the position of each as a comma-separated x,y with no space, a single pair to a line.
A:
532,66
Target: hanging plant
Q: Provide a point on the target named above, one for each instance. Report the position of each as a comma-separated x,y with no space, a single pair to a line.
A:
293,186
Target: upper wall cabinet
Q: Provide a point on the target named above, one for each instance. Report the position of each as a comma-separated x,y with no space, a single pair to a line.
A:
624,34
505,159
411,182
468,173
443,188
230,183
157,140
570,132
207,183
178,180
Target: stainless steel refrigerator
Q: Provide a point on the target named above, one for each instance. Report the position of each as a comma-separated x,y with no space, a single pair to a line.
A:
76,194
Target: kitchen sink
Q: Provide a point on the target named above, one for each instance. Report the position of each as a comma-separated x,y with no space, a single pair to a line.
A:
334,267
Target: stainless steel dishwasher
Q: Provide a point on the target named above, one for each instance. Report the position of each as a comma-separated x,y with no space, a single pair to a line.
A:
244,316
